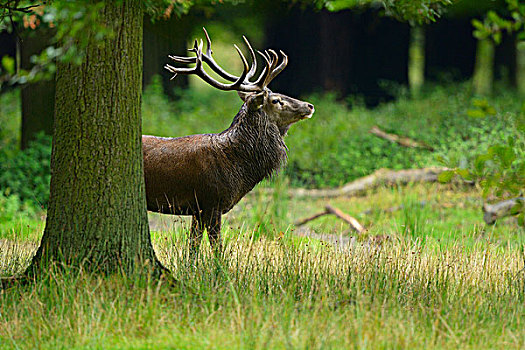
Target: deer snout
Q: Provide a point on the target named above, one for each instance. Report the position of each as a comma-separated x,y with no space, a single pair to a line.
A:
309,111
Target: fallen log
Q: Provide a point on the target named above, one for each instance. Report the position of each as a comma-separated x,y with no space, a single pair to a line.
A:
493,212
378,178
350,220
400,140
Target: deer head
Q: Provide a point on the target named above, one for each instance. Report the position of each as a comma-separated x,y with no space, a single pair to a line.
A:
281,110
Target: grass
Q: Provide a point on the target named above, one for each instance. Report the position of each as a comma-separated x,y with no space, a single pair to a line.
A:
283,295
425,275
446,284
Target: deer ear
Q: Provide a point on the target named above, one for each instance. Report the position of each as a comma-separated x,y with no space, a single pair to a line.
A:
254,100
243,95
257,100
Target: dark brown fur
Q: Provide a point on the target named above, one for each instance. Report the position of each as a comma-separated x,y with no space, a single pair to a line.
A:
206,175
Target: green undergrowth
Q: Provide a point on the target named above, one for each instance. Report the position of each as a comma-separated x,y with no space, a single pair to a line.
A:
18,220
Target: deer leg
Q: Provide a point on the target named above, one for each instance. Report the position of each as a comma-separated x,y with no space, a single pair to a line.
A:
197,228
213,226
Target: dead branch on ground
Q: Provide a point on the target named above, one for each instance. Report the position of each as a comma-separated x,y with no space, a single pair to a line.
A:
380,177
400,140
354,224
493,212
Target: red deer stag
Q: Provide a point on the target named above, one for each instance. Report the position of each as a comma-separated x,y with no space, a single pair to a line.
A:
206,175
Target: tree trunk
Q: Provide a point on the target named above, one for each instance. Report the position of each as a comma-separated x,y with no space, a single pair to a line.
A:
161,38
38,99
520,66
484,68
335,54
97,215
416,60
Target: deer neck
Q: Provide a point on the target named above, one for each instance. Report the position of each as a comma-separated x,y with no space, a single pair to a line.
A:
254,145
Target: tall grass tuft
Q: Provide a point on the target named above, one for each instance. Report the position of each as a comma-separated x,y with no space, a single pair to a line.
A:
415,217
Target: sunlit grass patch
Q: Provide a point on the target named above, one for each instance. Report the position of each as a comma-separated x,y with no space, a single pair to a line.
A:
280,293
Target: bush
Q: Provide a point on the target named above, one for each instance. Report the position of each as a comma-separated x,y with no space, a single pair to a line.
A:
27,173
10,111
500,168
12,208
18,218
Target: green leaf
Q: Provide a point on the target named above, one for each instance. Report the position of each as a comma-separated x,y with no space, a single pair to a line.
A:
446,176
497,37
521,219
478,24
464,173
8,63
479,164
480,102
476,113
491,110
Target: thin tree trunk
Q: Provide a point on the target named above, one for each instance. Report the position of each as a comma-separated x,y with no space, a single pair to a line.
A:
484,67
97,210
161,38
416,60
38,99
520,66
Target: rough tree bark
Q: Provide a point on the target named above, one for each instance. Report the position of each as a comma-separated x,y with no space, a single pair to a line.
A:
97,210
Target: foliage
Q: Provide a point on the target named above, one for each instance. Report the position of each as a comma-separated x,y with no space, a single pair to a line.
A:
72,22
18,218
494,24
419,11
10,111
335,146
26,173
332,148
500,168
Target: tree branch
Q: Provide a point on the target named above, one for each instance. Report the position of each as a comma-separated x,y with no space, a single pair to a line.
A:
378,178
493,212
400,140
350,220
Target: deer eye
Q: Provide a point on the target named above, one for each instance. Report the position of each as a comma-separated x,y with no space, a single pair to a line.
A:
275,101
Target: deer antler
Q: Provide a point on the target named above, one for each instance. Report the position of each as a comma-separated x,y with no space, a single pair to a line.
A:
241,83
